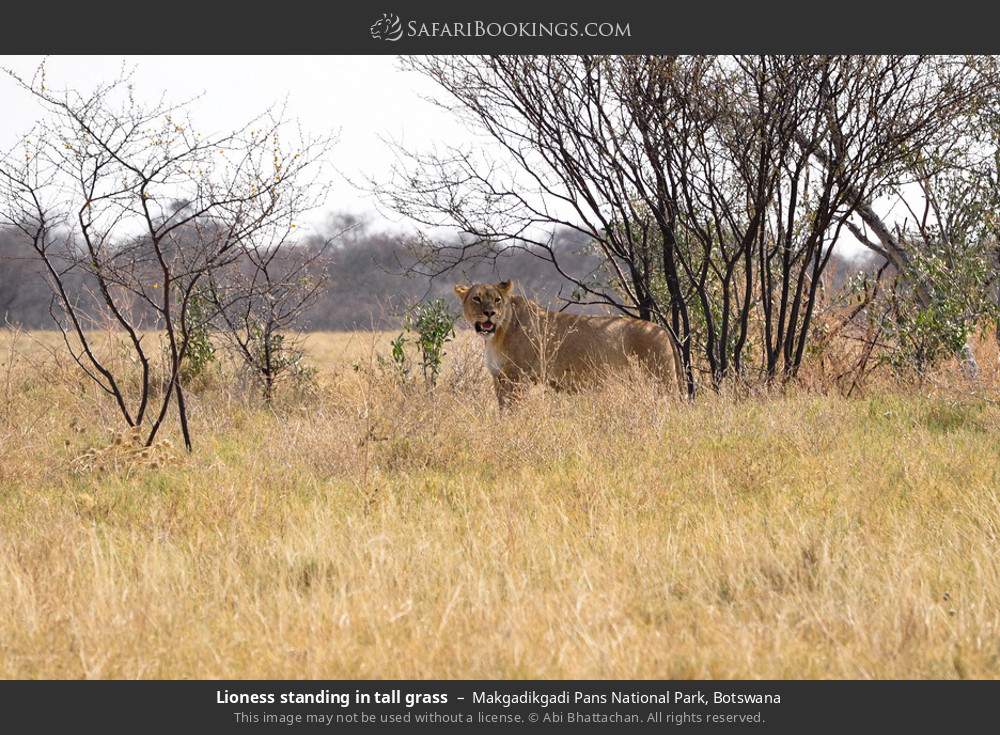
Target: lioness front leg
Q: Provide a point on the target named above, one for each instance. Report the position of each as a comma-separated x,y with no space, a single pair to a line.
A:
505,389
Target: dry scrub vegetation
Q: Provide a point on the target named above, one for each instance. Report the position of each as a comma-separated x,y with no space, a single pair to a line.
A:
362,530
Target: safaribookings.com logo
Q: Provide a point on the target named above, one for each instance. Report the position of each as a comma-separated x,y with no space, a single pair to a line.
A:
387,28
390,28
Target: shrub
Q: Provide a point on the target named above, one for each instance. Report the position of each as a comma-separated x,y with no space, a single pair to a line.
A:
200,350
934,322
271,357
429,326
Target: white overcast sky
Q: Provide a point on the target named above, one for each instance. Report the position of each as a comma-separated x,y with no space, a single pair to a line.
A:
365,99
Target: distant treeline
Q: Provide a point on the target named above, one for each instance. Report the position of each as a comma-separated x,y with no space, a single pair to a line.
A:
372,277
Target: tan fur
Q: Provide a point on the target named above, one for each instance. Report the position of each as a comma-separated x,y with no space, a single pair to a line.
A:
529,344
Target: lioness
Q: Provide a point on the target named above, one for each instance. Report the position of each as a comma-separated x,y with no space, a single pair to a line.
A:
526,343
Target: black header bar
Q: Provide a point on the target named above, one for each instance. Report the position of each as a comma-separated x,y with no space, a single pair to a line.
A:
446,26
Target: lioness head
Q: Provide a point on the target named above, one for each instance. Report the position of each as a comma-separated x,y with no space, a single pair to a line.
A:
486,305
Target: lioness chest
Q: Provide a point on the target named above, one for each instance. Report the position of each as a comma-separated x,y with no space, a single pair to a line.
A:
492,358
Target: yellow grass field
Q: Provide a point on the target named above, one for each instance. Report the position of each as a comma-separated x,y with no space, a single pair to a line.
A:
364,529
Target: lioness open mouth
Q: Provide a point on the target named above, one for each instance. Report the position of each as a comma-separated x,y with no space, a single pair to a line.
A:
486,327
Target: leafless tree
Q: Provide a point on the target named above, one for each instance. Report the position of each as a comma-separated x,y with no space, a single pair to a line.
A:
714,188
132,196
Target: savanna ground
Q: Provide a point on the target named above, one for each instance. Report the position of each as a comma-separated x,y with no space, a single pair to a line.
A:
360,529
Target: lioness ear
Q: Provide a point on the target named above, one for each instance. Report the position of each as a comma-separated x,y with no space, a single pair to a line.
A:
505,287
460,291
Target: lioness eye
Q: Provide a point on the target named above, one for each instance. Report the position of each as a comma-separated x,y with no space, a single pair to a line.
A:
476,299
497,301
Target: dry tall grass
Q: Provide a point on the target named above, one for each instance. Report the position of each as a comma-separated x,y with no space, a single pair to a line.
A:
364,530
